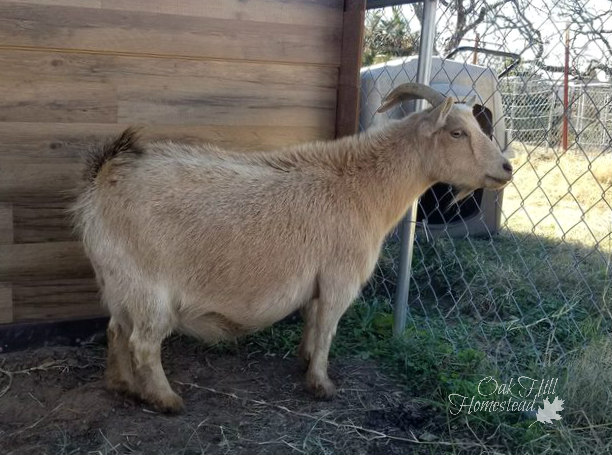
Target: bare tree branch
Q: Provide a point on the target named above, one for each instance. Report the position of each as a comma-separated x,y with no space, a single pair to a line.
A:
521,26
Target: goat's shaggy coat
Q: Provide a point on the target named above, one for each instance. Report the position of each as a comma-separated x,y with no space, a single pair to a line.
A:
219,244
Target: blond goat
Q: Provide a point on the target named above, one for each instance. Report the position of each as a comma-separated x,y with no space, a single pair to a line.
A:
219,244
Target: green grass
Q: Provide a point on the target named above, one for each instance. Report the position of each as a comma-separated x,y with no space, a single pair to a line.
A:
503,307
429,368
518,289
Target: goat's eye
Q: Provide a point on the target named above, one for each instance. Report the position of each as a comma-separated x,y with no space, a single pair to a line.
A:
457,133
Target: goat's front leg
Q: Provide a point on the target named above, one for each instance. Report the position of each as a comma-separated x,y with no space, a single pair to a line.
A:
307,345
329,309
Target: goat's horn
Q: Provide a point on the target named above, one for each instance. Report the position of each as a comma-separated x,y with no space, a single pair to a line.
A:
411,91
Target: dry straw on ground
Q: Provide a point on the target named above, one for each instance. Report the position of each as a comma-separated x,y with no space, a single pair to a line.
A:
560,195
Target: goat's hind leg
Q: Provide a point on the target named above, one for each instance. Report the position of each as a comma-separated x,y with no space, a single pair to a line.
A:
152,321
119,374
151,382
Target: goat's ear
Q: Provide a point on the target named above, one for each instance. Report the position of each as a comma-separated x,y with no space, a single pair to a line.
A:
438,114
471,101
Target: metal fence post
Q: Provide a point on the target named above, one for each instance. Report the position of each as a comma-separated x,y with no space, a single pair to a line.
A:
407,226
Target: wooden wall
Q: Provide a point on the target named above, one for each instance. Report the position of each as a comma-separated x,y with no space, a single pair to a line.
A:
248,74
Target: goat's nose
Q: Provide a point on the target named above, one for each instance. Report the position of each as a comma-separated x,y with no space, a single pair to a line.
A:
507,167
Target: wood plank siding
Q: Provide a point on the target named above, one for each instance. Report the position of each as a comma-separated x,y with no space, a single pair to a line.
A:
247,74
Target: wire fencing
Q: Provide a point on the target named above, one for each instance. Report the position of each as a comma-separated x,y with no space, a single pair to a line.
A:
521,276
535,109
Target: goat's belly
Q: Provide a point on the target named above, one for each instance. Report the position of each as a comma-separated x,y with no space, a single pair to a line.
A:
212,327
219,319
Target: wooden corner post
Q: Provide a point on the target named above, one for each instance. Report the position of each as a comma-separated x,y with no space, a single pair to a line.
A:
347,104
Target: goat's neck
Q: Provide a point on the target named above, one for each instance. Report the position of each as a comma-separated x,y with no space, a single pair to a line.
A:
389,175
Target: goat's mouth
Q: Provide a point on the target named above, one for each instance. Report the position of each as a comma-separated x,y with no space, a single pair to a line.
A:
497,182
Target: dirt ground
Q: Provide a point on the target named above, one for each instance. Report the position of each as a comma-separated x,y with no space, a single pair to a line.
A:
238,400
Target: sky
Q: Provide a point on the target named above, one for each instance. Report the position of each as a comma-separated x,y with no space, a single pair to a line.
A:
546,17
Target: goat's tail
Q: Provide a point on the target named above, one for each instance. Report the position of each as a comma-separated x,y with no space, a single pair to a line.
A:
128,142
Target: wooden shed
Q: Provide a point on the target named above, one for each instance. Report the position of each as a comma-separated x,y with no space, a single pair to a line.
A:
250,74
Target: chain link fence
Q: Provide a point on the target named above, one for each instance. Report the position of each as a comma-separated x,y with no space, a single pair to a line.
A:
522,276
535,109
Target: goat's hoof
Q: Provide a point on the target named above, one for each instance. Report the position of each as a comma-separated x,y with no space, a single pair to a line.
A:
168,404
323,389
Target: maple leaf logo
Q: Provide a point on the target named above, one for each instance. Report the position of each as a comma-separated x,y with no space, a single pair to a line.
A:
550,411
